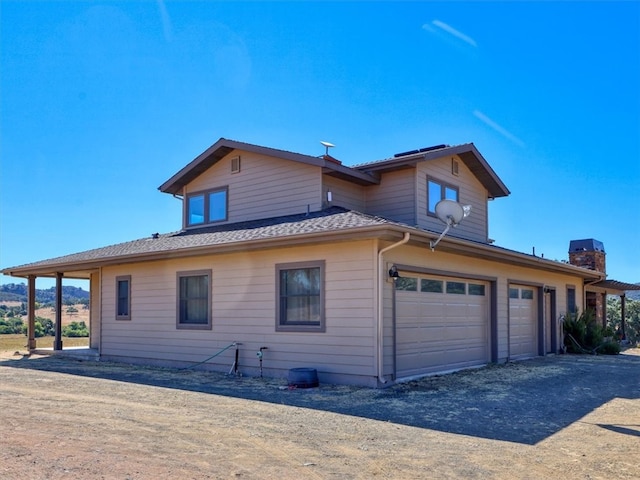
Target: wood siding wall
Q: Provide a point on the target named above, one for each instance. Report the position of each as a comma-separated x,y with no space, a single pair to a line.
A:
243,289
265,187
471,192
394,197
344,194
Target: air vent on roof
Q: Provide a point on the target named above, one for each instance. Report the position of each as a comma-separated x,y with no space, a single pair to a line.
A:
421,150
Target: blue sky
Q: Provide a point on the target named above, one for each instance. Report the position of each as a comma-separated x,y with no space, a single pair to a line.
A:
103,101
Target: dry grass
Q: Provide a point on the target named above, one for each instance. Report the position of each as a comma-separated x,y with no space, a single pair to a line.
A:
17,343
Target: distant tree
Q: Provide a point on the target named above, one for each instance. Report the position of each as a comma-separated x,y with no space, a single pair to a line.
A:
11,325
72,310
632,317
76,329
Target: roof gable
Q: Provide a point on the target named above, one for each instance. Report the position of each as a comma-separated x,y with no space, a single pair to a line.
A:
467,152
223,147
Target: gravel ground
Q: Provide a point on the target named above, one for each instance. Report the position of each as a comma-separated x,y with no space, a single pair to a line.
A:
562,416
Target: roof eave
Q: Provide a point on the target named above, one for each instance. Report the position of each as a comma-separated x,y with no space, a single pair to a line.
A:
467,152
383,232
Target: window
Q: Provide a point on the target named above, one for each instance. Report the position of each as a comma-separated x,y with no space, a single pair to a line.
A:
407,284
123,298
207,207
436,191
194,300
527,294
571,300
476,289
433,286
300,297
514,293
458,288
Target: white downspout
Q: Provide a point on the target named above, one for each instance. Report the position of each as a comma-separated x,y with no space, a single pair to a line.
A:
381,279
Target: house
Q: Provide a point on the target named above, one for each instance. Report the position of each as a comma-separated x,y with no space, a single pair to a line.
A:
316,264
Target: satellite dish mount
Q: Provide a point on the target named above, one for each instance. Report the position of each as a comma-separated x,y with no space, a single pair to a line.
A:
327,146
451,214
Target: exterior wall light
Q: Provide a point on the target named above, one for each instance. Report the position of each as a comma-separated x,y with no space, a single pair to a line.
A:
393,272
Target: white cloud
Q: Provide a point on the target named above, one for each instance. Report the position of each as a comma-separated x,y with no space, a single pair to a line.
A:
452,31
498,128
166,21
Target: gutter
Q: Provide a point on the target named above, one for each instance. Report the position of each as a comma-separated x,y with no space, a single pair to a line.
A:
381,279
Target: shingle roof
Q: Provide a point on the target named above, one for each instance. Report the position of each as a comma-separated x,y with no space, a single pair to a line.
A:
328,220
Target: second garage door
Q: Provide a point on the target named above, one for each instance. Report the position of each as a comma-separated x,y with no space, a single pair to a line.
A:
441,324
523,330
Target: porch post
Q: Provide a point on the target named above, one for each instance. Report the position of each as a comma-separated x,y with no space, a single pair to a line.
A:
31,312
623,298
57,344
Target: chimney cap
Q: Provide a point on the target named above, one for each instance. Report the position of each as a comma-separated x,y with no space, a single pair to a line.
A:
586,245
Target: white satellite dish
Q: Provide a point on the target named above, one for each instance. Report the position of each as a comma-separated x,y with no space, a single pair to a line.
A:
327,146
450,213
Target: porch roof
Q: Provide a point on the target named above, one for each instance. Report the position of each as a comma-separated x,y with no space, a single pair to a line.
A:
329,225
615,285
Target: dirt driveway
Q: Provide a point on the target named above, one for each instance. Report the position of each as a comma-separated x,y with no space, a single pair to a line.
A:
554,417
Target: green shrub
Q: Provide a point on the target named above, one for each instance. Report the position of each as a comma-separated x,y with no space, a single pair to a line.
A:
609,348
42,327
76,329
11,325
583,334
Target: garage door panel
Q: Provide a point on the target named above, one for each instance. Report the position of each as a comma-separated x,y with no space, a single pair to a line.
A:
439,331
523,331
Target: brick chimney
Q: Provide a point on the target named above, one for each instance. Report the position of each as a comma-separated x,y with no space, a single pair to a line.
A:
588,253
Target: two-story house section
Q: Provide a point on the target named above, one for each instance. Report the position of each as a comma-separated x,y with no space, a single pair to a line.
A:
328,266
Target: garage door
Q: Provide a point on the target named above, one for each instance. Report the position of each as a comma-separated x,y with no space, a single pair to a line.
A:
523,320
441,324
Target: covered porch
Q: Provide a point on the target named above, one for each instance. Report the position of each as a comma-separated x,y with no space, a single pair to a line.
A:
92,352
596,299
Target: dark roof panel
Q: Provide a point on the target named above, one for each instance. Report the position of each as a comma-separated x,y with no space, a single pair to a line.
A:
586,245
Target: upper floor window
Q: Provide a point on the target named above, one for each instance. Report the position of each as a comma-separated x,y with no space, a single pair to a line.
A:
207,207
438,190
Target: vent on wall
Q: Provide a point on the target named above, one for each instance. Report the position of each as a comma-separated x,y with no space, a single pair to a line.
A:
455,168
235,164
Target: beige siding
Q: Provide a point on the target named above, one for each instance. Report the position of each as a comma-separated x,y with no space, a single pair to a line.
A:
265,186
394,197
471,192
243,287
503,273
94,310
344,194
